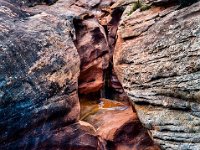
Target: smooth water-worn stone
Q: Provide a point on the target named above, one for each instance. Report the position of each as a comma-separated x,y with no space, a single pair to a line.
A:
118,124
157,59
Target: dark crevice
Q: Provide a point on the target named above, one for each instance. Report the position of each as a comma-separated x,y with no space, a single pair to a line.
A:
111,32
186,3
108,91
146,103
142,103
167,3
158,77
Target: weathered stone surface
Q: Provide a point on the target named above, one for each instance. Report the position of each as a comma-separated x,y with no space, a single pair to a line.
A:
157,61
32,2
89,36
39,70
123,3
94,43
80,135
118,124
91,43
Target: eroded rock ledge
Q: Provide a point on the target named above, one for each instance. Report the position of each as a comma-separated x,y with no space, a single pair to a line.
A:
157,59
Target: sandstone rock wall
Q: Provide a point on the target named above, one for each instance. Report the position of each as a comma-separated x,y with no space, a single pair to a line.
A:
93,50
50,53
157,59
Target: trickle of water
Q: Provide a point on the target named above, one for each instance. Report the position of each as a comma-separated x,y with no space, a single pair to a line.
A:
92,107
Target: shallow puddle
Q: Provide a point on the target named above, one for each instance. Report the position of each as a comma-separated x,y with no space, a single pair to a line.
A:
89,107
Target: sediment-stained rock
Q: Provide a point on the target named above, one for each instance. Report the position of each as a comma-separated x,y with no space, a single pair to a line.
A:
39,69
157,59
91,43
76,136
118,124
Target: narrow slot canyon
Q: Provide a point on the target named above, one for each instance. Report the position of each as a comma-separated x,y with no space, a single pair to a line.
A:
99,74
103,101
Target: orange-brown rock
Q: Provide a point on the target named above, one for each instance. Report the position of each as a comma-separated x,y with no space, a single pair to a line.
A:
93,50
157,59
117,124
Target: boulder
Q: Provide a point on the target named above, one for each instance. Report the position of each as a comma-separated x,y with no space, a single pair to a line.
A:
89,37
76,136
118,124
39,69
157,59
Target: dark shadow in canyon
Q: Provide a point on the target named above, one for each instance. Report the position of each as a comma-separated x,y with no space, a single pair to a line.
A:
98,83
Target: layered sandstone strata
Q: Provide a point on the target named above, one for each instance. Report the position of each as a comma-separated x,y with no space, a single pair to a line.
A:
157,59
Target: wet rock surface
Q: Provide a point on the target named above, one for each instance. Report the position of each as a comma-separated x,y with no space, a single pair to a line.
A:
157,61
118,124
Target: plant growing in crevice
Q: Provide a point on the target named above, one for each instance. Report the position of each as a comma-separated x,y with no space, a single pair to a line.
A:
139,5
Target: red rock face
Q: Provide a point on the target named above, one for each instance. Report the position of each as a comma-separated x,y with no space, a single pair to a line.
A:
118,124
93,50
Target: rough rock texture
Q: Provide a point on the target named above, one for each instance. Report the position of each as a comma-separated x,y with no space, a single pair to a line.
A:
89,36
94,34
157,59
80,135
39,70
118,124
93,49
32,2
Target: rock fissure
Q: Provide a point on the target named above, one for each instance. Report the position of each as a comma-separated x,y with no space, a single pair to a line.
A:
94,106
91,75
